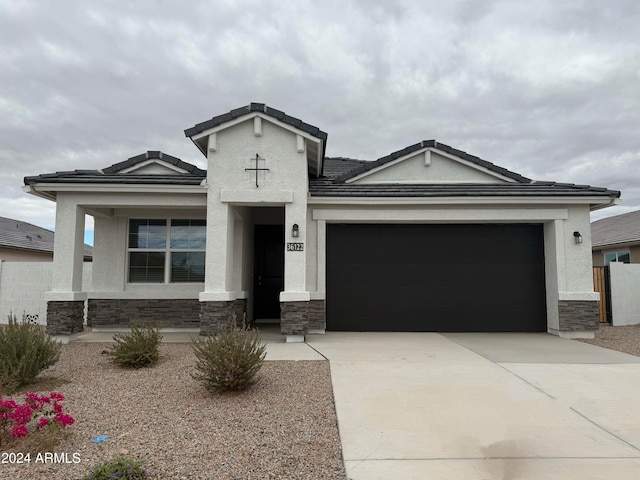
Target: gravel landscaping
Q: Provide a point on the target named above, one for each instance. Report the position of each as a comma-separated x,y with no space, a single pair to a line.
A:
284,427
623,339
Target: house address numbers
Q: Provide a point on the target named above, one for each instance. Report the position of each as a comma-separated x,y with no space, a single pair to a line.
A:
295,247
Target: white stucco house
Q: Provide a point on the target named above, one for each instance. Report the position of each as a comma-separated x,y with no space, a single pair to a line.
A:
427,238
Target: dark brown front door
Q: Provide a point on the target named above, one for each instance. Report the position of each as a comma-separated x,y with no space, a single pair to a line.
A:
269,271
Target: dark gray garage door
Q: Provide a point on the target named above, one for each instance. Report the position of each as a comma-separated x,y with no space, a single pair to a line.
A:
441,278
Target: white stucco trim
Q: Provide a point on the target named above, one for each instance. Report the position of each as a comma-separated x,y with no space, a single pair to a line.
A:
295,296
586,296
429,150
594,201
256,197
65,296
151,161
252,116
119,188
321,248
221,296
441,215
155,294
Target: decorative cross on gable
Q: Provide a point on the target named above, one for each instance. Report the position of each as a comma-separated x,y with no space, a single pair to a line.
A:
256,168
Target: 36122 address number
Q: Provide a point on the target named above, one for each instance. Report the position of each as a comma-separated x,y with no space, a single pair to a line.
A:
295,247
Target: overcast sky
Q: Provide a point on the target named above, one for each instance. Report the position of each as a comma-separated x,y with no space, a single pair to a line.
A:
548,89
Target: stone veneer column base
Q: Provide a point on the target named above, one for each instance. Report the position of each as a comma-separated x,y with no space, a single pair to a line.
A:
65,317
578,316
294,318
317,321
217,316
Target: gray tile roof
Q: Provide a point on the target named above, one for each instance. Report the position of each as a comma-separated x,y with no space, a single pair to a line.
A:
110,174
440,146
337,169
256,107
620,229
26,236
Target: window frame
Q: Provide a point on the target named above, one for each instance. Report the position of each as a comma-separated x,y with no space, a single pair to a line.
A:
618,254
167,250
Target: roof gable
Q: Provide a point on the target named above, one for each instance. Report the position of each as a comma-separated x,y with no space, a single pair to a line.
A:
311,139
153,162
431,162
429,166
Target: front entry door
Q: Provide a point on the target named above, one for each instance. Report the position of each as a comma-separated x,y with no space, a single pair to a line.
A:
269,271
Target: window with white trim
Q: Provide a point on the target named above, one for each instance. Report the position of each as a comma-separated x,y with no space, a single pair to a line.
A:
622,257
166,250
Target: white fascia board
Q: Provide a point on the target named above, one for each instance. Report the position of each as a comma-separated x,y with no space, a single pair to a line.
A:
252,197
150,161
443,201
434,150
460,215
251,116
34,191
119,188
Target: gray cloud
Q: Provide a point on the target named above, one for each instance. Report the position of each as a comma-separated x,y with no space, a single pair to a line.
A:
550,90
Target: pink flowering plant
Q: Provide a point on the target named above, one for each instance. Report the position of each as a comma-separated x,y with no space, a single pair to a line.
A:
40,415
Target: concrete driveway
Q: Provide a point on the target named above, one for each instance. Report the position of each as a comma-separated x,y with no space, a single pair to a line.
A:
483,406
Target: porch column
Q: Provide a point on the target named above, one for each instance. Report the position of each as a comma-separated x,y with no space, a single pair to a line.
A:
572,305
218,300
65,301
294,300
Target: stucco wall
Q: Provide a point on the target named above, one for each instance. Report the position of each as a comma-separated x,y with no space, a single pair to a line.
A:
568,265
625,301
440,170
23,286
231,186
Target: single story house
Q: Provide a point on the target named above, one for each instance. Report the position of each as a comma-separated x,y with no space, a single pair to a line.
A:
616,239
23,242
427,238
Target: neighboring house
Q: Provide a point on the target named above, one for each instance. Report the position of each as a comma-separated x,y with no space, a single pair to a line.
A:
616,239
428,238
23,242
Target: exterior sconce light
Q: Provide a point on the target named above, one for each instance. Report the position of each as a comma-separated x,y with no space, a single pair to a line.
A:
295,230
577,237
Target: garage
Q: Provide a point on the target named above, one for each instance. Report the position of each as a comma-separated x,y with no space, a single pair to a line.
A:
436,278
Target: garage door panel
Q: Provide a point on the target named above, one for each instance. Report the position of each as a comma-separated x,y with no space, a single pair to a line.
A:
435,278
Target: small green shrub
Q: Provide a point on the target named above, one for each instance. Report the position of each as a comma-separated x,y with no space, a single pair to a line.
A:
120,467
230,360
136,349
25,351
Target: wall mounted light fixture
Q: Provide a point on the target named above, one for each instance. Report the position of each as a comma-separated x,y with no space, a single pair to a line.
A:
577,237
295,230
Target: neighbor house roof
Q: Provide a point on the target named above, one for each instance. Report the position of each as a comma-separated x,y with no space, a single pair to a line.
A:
621,229
114,175
19,235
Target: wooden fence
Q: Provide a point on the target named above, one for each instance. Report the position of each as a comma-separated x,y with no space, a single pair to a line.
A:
602,285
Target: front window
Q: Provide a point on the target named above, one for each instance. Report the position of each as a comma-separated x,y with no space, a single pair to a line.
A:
166,250
622,257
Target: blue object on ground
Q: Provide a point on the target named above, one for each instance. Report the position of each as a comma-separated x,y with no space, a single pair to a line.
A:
99,439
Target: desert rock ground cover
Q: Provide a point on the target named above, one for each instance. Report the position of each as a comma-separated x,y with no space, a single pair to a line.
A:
284,427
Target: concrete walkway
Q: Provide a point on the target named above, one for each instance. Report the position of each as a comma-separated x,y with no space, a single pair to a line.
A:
483,406
277,349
